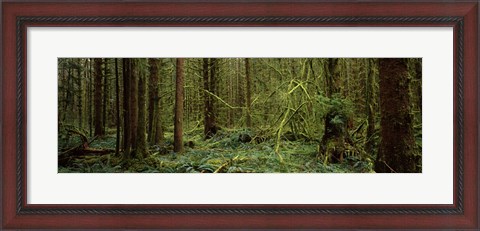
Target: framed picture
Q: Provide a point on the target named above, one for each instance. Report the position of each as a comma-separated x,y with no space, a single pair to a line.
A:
309,115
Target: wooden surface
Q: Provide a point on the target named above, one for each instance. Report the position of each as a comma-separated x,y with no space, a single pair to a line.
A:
10,219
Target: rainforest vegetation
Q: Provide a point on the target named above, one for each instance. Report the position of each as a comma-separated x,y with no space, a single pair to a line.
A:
240,115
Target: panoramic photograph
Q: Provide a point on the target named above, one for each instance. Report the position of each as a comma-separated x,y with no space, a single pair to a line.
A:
239,115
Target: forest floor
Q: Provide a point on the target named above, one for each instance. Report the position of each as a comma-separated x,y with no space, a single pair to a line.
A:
223,153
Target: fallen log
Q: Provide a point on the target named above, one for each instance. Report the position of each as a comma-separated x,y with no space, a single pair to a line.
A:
67,155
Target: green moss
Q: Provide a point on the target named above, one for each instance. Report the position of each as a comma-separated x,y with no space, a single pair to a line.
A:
224,153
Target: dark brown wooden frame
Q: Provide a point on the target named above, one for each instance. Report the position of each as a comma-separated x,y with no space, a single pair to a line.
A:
462,16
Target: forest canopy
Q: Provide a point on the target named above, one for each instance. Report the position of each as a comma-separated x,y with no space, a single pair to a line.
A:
240,115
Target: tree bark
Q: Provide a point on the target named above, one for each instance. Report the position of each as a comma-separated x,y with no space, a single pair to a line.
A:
369,71
154,104
126,108
90,97
418,76
331,76
213,90
178,125
68,94
117,107
71,94
334,137
231,90
141,150
152,96
80,95
99,129
63,92
209,86
133,103
206,98
249,92
105,93
397,142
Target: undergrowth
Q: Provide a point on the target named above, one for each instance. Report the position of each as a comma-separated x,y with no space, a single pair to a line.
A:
223,153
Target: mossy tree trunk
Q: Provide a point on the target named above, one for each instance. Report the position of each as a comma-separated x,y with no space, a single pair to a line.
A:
418,77
178,121
208,72
370,66
134,110
127,76
105,93
69,95
90,97
331,76
155,130
141,143
99,129
333,141
117,107
239,91
249,92
80,95
395,153
133,104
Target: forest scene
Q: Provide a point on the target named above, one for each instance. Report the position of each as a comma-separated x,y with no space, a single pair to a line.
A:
239,115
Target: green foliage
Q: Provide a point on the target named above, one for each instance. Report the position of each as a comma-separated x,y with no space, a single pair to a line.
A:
289,110
66,138
92,164
107,141
224,153
342,108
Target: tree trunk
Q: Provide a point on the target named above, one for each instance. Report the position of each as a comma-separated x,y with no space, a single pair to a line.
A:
141,150
105,93
213,90
209,87
68,94
395,153
126,108
249,92
133,103
331,76
206,98
369,72
154,115
80,96
158,134
63,92
418,77
152,96
99,130
334,137
178,125
231,90
239,94
90,97
117,107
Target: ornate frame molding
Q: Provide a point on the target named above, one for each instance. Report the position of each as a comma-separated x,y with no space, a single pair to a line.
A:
23,22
